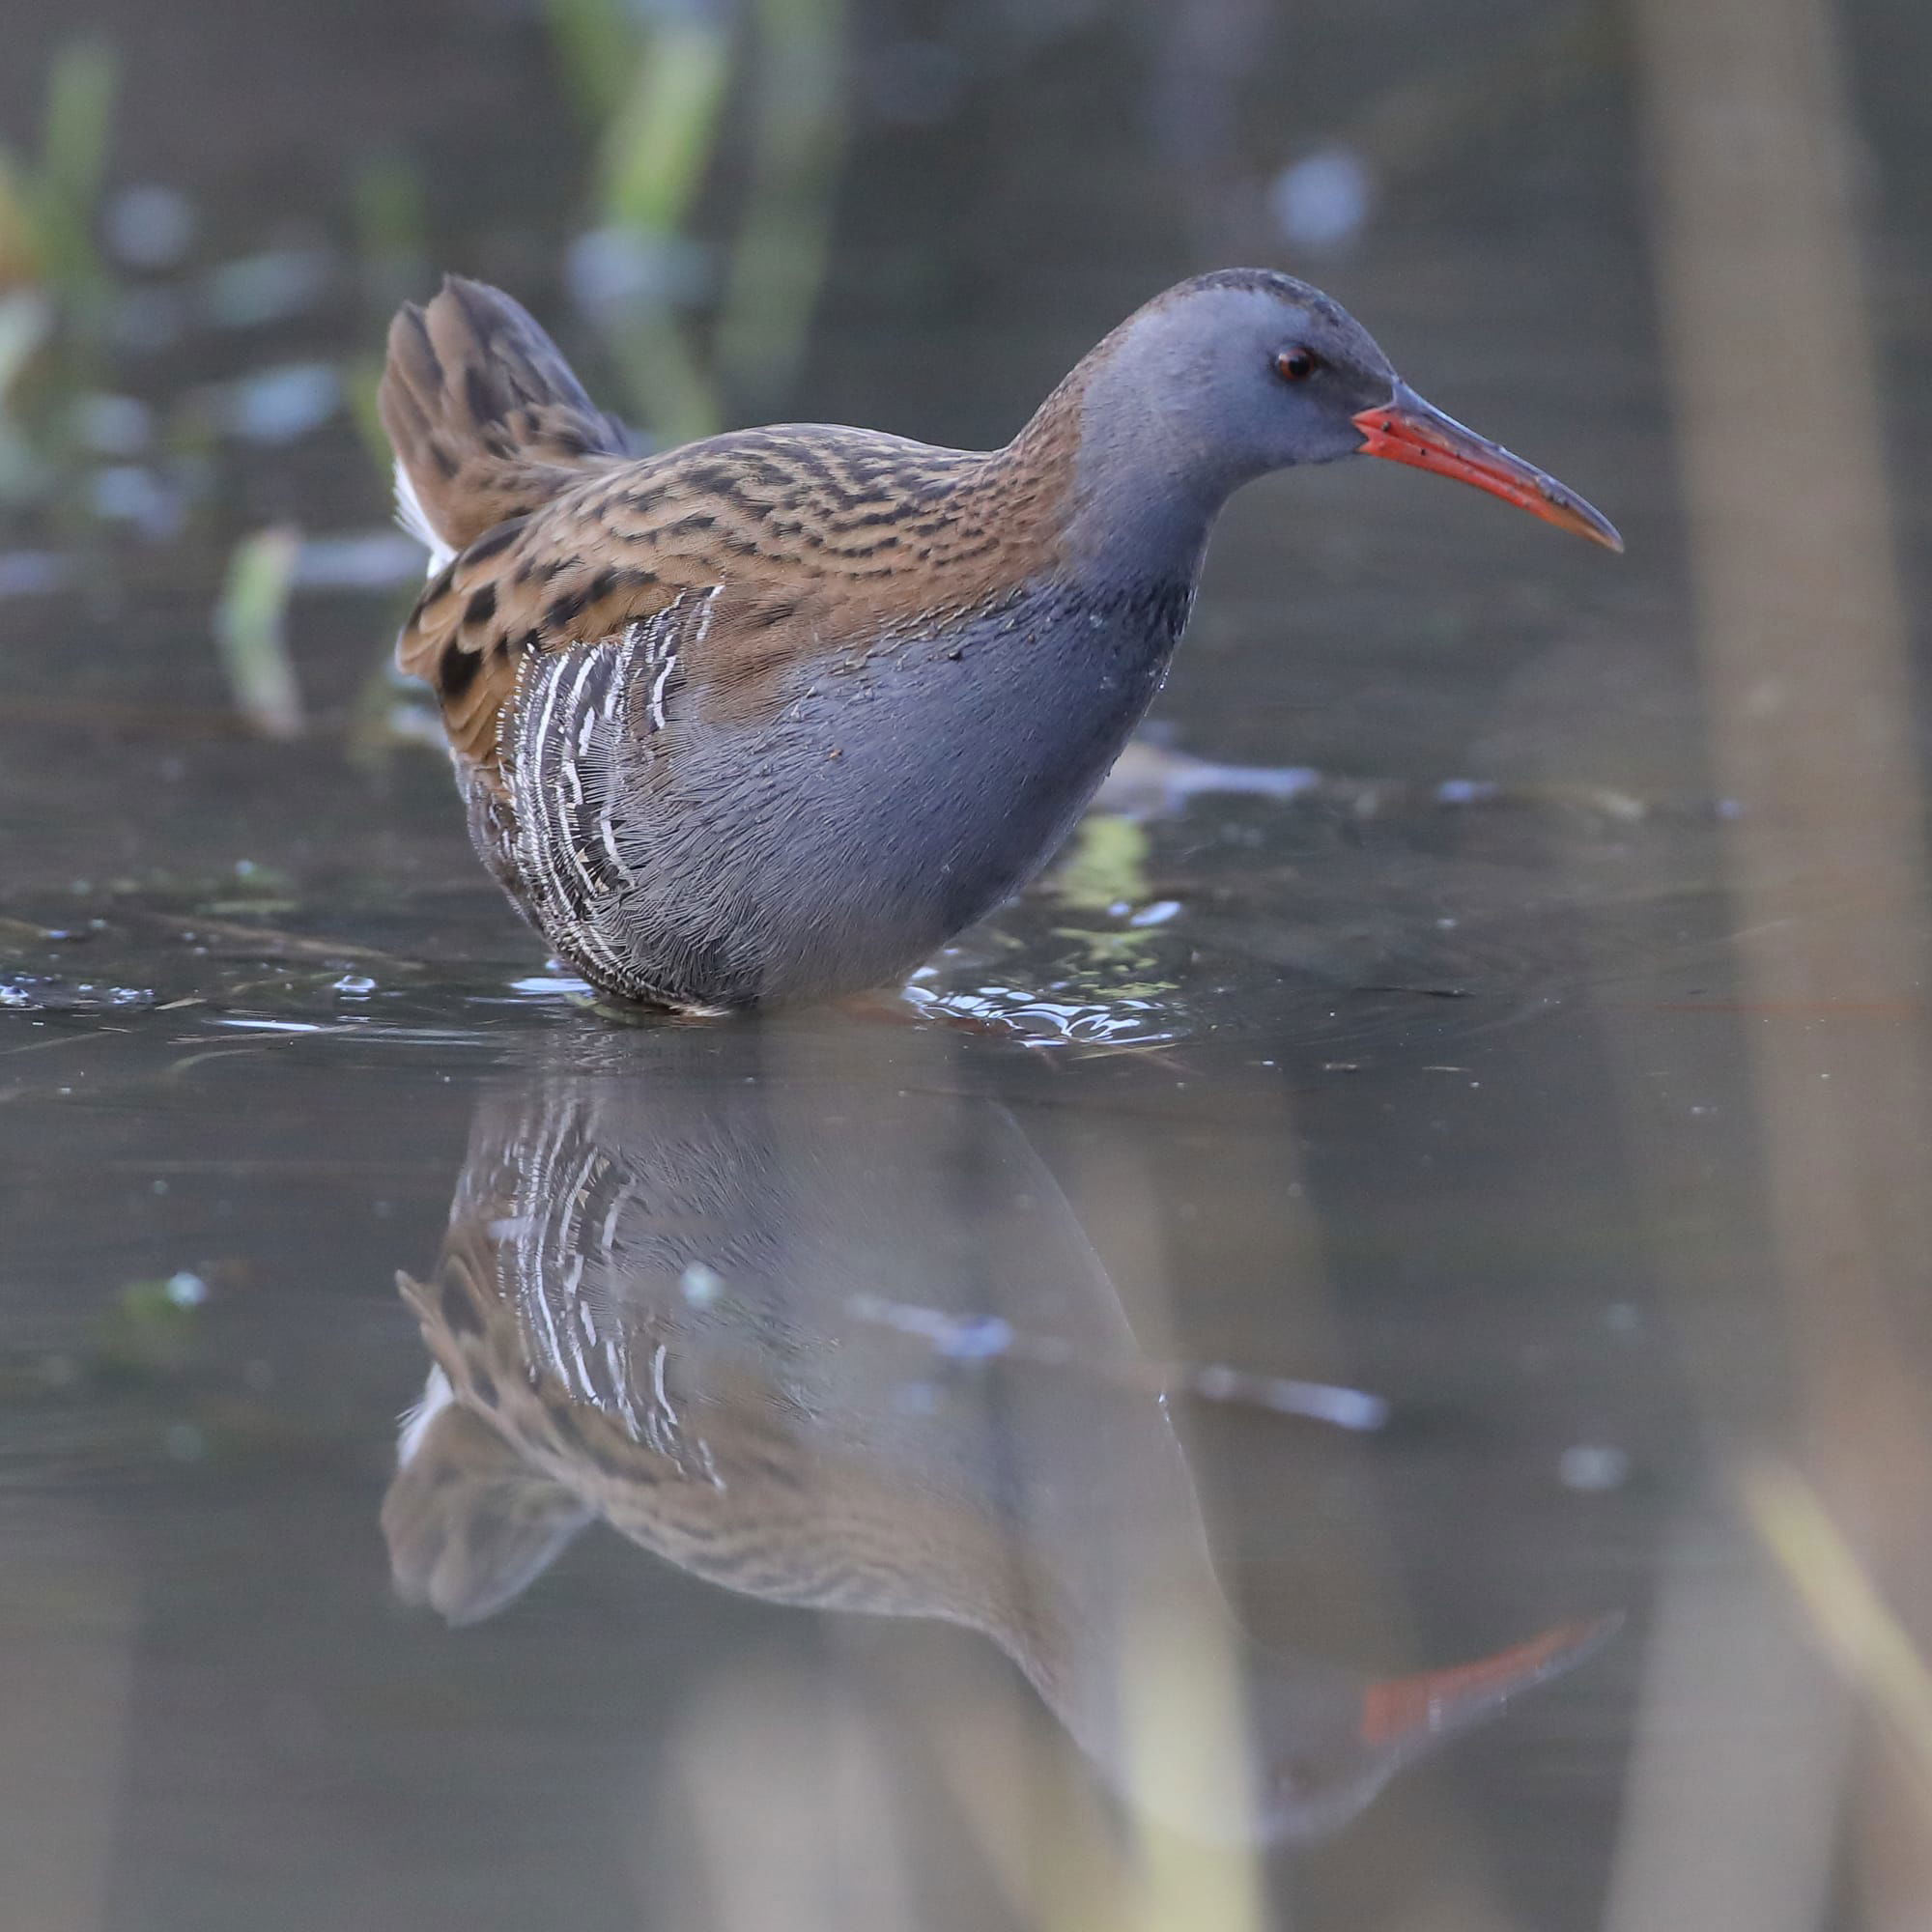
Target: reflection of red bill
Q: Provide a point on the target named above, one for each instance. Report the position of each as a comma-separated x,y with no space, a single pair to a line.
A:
1407,430
1398,1712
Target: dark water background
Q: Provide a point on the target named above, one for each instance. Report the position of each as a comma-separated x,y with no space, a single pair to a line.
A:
1446,1077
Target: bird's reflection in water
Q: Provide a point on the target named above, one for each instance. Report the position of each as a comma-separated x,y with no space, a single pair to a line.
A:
840,1342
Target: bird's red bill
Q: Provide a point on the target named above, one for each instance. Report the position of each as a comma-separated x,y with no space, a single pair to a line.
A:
1406,1711
1407,430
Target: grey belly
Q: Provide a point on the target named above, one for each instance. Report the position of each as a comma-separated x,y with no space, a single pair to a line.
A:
886,806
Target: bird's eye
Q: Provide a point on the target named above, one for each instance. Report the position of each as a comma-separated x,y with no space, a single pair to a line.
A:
1296,365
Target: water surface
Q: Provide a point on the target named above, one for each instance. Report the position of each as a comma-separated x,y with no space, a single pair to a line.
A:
468,1456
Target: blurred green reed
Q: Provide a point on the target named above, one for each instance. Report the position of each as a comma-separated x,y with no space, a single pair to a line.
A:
48,207
251,631
24,321
777,270
390,214
656,86
54,286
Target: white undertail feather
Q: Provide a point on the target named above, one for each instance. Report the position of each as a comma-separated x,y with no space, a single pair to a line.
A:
409,514
436,1396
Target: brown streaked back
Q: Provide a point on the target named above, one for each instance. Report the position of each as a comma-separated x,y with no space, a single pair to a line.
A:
807,539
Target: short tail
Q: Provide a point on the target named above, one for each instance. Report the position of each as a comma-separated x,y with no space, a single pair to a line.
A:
486,419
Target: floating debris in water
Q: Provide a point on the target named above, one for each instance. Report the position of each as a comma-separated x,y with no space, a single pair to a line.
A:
1150,779
1343,1407
971,1338
1593,1467
411,723
984,1338
35,993
186,1290
148,320
34,573
149,226
280,405
363,560
550,986
269,287
1323,201
114,425
990,1338
611,270
127,494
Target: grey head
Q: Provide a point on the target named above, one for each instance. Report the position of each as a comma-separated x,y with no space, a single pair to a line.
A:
1262,372
1231,375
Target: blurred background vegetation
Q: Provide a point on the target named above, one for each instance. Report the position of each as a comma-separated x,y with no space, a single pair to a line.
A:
181,367
700,306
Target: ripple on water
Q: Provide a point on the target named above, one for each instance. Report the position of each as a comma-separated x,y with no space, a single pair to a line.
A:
1355,936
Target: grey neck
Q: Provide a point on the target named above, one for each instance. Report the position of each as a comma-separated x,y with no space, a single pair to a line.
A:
1151,473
